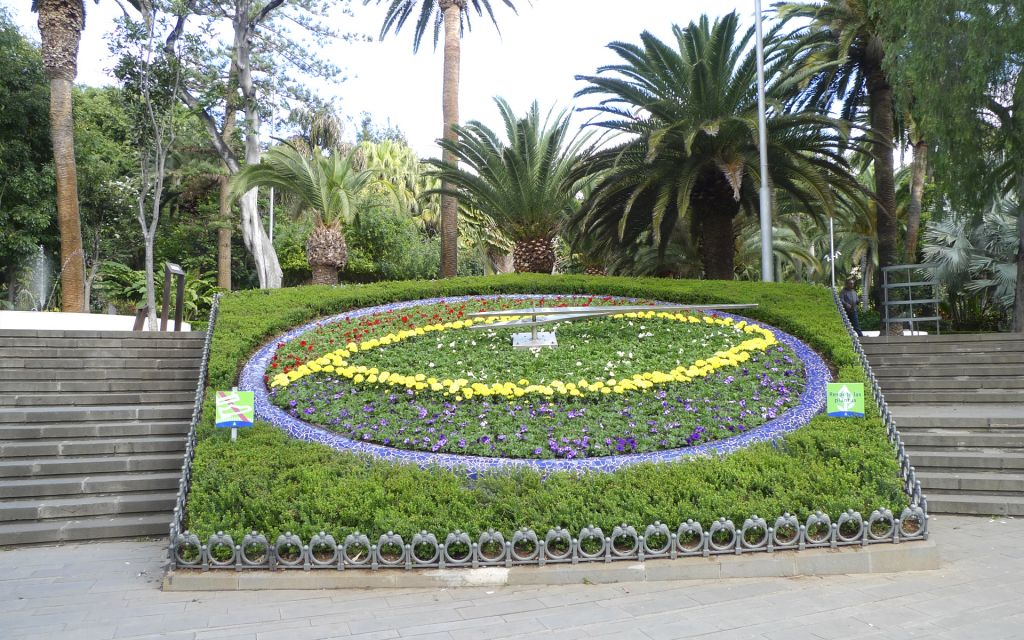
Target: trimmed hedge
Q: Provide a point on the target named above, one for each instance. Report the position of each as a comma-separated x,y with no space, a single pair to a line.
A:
272,483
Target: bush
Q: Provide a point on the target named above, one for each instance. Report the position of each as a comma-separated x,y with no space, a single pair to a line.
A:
272,483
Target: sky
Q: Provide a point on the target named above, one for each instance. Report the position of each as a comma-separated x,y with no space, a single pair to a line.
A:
536,56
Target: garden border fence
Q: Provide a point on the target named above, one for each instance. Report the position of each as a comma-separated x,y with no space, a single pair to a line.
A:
557,546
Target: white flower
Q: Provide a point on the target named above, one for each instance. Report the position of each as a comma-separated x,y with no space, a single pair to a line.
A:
431,365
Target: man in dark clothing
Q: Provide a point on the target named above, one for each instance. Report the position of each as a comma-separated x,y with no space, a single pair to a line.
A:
850,301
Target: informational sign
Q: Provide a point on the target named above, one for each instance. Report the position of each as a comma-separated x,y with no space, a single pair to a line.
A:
235,409
846,399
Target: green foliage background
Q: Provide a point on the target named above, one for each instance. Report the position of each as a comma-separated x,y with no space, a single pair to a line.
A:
272,483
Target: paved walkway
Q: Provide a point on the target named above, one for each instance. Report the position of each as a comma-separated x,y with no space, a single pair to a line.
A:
111,590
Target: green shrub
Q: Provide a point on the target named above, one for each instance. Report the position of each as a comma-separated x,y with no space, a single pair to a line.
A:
272,483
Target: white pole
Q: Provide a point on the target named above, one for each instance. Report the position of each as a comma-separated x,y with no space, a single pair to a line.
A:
271,215
832,250
767,264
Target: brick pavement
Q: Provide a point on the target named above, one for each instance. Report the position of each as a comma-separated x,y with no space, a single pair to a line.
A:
110,590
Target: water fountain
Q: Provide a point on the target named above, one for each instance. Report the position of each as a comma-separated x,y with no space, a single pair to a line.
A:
40,281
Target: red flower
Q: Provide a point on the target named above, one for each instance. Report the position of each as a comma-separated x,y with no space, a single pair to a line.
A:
303,343
273,365
405,318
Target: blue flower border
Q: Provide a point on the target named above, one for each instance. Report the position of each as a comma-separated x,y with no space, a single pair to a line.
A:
812,402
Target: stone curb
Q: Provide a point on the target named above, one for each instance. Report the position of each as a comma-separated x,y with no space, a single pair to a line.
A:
919,555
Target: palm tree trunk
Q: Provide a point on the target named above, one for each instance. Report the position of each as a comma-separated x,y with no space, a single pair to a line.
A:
535,255
881,111
919,167
224,237
60,28
324,274
450,108
718,246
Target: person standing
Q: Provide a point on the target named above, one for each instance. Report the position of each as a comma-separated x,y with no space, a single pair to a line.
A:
850,301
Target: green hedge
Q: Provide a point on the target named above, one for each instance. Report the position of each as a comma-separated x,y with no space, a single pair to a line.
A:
272,483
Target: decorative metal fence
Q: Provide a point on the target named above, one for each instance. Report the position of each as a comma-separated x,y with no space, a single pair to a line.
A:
178,518
557,546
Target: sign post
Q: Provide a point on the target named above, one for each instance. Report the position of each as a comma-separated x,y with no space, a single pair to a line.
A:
845,399
235,410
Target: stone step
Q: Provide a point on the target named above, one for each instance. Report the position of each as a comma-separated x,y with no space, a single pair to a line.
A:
979,415
67,530
157,341
86,506
89,399
131,412
106,335
53,449
40,467
946,396
946,359
913,383
886,372
956,438
945,337
946,347
93,386
191,363
66,353
948,482
47,432
93,483
133,374
974,459
981,505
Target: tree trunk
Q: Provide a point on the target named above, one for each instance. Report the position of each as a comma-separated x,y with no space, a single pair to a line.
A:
865,271
535,255
919,167
72,264
324,274
881,112
151,284
715,207
224,237
450,108
255,237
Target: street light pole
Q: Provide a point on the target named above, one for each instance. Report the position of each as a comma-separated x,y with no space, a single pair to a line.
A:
767,263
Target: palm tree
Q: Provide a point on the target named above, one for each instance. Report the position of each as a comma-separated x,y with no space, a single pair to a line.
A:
323,187
842,45
60,28
454,17
527,186
691,114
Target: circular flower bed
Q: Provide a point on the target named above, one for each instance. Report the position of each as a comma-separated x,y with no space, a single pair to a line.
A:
424,382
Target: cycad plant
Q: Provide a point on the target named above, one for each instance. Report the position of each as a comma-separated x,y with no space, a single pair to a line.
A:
528,185
320,186
690,111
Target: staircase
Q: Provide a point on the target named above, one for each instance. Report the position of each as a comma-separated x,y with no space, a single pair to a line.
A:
92,432
958,401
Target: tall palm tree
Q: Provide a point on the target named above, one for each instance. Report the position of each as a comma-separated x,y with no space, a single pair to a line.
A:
323,187
527,186
60,29
691,113
841,43
454,17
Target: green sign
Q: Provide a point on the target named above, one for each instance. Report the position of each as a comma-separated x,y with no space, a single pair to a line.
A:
846,399
235,409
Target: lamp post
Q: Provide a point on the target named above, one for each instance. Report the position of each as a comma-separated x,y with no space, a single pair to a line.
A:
767,264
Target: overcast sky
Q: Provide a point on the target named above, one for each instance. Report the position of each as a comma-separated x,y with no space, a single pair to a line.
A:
535,57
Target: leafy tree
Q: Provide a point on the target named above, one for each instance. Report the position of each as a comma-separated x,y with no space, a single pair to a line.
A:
691,113
527,185
26,171
325,188
963,60
844,48
453,16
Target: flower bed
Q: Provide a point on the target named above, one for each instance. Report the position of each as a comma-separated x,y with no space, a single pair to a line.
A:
275,483
411,380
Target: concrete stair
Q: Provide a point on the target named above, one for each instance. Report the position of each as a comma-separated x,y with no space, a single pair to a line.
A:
958,401
92,432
